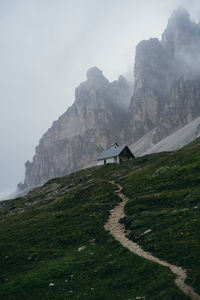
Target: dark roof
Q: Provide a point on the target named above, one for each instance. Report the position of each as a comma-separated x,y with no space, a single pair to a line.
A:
112,152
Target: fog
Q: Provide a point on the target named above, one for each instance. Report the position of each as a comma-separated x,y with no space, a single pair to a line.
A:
188,62
46,48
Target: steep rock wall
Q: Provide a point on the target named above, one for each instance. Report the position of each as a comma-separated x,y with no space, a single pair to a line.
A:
167,77
97,118
165,98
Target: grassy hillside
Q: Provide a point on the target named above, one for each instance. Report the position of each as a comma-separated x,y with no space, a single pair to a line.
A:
165,198
53,244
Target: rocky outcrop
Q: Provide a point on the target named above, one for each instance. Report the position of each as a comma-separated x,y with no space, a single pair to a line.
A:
165,98
96,119
181,107
167,81
150,89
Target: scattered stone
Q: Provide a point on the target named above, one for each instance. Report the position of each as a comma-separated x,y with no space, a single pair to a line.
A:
146,232
81,248
51,284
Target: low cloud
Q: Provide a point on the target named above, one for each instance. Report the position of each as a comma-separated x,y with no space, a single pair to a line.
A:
47,46
7,194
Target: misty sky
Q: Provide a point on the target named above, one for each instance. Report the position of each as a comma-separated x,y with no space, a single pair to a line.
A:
46,47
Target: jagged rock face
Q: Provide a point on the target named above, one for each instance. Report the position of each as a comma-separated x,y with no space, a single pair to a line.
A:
182,107
179,32
181,41
95,120
167,79
165,98
150,88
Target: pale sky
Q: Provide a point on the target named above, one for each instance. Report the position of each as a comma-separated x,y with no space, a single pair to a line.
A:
46,48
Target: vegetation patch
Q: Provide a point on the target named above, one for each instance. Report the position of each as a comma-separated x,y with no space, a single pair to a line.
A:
53,244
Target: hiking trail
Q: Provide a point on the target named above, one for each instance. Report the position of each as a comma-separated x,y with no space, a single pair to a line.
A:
117,230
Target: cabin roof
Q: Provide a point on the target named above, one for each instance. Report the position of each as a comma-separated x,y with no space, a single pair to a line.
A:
113,152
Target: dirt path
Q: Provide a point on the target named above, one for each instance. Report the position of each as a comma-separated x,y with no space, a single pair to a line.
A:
118,231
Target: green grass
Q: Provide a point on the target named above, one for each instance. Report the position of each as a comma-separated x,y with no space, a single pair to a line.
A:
165,197
55,234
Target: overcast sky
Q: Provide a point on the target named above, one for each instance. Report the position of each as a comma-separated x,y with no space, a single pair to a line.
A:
46,48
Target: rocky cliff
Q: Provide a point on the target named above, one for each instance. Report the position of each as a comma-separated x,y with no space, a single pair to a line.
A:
167,81
165,98
96,119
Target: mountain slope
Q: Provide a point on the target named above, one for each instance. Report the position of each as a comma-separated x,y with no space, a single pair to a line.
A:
54,246
167,82
165,98
174,141
97,117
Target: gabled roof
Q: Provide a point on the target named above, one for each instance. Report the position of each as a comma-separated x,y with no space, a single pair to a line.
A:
112,152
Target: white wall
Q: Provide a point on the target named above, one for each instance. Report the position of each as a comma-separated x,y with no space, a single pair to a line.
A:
100,162
108,161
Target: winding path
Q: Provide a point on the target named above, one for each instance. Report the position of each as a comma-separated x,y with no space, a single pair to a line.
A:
118,232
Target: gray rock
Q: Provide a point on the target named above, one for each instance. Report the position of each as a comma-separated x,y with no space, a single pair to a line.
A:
165,99
167,80
97,118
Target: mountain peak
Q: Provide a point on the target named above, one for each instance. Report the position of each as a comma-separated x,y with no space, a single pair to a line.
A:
179,17
180,12
94,73
95,78
179,32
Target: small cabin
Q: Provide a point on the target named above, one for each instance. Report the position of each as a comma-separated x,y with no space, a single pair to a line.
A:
115,154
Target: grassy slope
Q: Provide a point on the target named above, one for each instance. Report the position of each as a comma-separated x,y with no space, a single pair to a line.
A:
41,233
165,197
